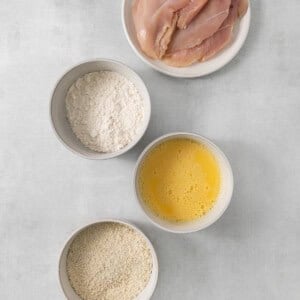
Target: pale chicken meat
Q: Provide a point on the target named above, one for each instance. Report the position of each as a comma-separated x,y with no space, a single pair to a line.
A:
224,35
204,25
243,7
155,22
187,14
181,32
214,44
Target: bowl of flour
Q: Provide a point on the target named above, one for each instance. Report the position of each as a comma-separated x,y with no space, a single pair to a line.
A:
100,109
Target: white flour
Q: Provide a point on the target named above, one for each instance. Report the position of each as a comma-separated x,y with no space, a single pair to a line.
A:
105,110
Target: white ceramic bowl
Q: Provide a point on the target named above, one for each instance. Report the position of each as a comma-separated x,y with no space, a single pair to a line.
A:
58,117
223,199
63,276
197,69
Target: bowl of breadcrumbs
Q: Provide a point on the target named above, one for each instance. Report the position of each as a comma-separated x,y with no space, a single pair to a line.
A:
111,260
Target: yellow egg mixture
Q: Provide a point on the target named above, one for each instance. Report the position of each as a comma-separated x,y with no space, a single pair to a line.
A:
179,180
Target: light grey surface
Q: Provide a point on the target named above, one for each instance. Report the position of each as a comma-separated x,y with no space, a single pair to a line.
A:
251,109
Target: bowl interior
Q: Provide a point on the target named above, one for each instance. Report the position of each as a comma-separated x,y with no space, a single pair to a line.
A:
63,276
222,201
197,69
58,108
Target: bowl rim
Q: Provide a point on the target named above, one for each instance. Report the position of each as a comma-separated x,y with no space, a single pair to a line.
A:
74,233
193,136
99,155
148,61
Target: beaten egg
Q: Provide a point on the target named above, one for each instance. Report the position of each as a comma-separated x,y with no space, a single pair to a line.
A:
179,180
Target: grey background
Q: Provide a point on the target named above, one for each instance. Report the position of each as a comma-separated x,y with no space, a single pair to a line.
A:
251,109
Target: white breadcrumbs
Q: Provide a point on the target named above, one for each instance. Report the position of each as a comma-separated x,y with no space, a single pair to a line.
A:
109,261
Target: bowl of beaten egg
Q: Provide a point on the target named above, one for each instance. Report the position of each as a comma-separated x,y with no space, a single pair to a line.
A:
183,182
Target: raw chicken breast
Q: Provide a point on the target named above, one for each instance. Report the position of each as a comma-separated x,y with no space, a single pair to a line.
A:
224,35
214,44
155,22
187,14
207,22
243,7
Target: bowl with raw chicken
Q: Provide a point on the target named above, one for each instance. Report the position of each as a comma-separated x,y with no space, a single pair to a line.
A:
186,38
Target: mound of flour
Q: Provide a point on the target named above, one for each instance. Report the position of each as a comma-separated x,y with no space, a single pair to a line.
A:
105,110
